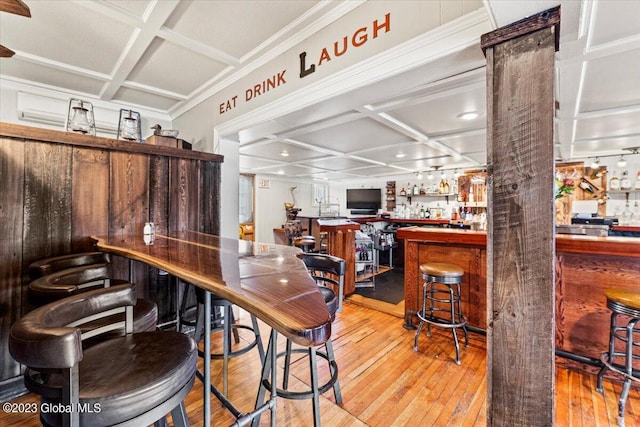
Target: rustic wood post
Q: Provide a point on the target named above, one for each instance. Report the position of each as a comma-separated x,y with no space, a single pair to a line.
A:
520,240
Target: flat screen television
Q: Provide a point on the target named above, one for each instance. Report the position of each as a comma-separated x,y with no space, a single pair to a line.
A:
364,199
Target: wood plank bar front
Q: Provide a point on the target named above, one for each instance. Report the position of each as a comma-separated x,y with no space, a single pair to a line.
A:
341,243
585,266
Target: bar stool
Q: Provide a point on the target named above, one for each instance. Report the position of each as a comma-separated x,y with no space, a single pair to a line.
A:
306,243
228,327
442,285
316,263
626,303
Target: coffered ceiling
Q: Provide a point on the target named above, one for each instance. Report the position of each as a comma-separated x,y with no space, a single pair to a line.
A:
166,55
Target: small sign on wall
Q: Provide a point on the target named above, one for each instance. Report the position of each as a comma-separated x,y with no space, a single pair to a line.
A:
263,183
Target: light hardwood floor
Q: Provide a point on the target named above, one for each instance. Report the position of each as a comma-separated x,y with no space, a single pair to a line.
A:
385,383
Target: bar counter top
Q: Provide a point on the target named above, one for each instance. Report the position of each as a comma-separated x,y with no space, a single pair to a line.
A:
267,280
606,245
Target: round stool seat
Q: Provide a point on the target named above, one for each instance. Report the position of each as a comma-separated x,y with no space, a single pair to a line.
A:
306,243
626,298
441,271
134,388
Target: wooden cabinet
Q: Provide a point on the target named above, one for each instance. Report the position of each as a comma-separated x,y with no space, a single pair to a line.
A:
58,188
588,184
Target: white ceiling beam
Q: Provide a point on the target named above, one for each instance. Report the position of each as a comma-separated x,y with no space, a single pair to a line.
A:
155,17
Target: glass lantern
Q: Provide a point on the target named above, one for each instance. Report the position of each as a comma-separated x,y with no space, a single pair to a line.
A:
80,117
129,127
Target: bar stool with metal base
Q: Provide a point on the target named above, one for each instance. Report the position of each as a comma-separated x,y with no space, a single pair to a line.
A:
228,327
442,285
306,243
626,303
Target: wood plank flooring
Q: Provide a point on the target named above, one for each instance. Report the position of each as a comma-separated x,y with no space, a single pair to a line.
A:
385,383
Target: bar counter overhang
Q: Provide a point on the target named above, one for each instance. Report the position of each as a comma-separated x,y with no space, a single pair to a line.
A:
584,267
266,280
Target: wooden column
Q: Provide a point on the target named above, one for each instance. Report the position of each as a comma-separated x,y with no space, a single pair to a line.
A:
520,251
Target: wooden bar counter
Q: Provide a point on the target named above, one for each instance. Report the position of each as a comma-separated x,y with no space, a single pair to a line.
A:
267,280
585,267
341,243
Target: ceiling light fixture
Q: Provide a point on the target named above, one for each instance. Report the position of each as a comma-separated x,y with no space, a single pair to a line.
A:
595,164
400,155
419,175
284,153
622,162
469,115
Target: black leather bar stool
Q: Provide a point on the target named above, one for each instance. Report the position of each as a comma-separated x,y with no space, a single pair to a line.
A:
53,264
441,294
627,304
134,379
228,327
72,281
317,263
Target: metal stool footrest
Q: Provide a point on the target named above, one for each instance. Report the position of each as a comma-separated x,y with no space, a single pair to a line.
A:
441,322
300,395
237,352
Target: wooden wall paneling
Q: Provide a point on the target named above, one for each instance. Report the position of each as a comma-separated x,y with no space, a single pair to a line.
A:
209,221
129,207
161,287
520,244
183,197
11,230
90,196
47,203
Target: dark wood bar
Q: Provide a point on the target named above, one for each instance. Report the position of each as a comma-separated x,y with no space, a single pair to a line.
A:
584,267
341,243
267,280
59,188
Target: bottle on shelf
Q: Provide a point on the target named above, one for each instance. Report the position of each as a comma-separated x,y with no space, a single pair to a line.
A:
422,212
614,182
446,187
416,190
403,192
625,182
471,194
422,190
441,186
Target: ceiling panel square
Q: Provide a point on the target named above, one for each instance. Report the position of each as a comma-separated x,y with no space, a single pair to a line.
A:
75,38
611,81
608,125
614,19
337,163
592,148
49,76
235,27
136,97
291,170
137,7
174,68
467,143
353,136
249,164
413,151
274,150
440,115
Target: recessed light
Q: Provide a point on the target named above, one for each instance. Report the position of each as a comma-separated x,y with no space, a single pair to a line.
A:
400,155
280,172
469,115
284,153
